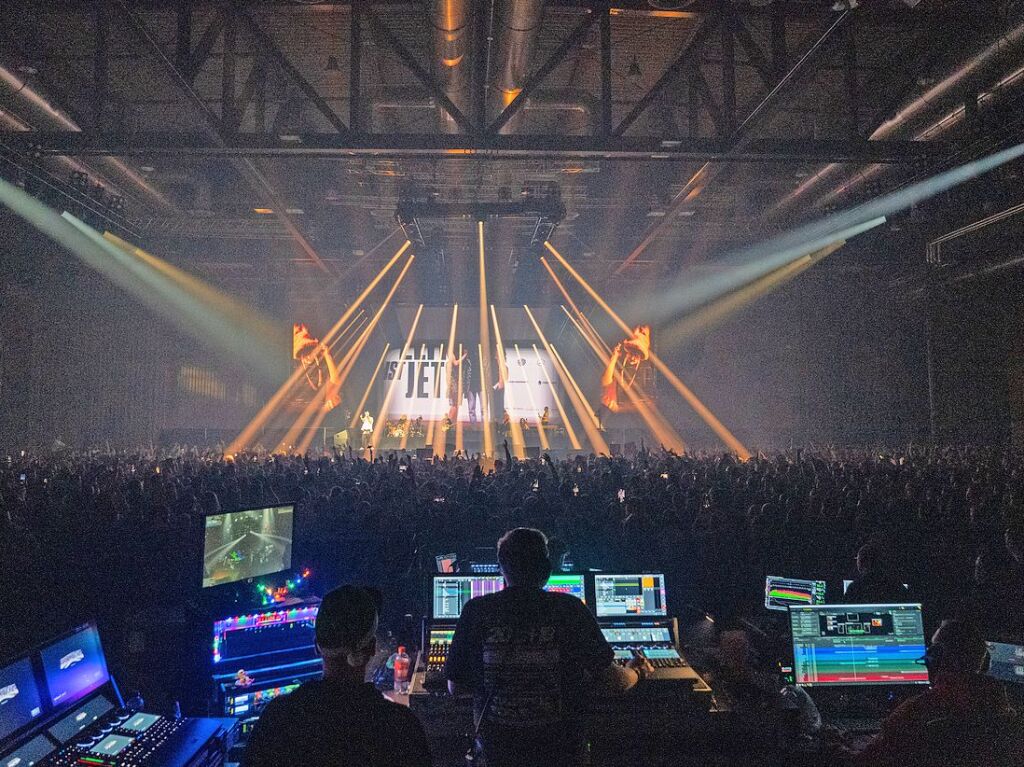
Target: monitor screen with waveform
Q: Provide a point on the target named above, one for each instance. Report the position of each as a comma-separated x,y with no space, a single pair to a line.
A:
780,593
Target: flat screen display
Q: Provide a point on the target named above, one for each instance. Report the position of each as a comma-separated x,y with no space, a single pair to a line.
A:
29,754
68,727
780,593
625,596
20,699
247,544
879,644
74,666
1006,662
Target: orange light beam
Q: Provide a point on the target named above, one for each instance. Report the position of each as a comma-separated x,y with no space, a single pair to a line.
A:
436,391
593,435
378,427
344,335
649,412
485,342
459,444
573,439
518,443
576,387
533,406
699,407
416,375
582,317
440,435
375,320
369,385
250,431
345,365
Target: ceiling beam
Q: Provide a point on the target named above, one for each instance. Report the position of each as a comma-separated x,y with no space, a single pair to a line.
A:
216,133
481,147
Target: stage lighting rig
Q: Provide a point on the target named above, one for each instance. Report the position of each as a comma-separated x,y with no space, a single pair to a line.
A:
418,204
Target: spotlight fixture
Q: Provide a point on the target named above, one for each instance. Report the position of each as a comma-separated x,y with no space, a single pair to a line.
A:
332,64
844,5
634,68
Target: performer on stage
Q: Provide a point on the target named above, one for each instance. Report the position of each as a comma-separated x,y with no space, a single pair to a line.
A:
366,430
465,365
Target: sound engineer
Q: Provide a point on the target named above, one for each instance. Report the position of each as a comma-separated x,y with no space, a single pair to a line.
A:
340,719
940,726
526,656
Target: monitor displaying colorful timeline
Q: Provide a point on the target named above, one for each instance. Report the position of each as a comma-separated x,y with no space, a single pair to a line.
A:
880,644
568,583
451,592
780,593
630,596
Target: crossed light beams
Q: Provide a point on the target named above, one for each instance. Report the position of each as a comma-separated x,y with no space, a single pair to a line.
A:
706,415
593,435
533,406
245,438
715,312
209,321
313,411
648,411
378,426
518,441
369,385
757,260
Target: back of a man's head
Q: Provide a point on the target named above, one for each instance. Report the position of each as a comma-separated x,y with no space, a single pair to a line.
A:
346,625
869,558
523,556
957,647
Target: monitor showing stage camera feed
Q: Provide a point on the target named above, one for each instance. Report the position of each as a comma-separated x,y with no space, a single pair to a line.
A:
247,544
630,596
75,665
858,644
780,593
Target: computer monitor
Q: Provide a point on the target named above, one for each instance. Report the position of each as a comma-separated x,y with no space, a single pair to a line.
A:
74,665
451,592
270,634
864,645
445,563
1006,662
246,544
622,596
21,700
780,593
847,582
568,583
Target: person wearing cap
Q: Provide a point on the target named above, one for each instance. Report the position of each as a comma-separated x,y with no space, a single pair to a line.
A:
530,658
340,719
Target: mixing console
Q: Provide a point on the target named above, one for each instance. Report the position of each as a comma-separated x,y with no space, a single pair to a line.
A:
126,738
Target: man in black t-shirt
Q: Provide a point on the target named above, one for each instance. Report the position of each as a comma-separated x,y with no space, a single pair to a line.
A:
530,658
340,721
